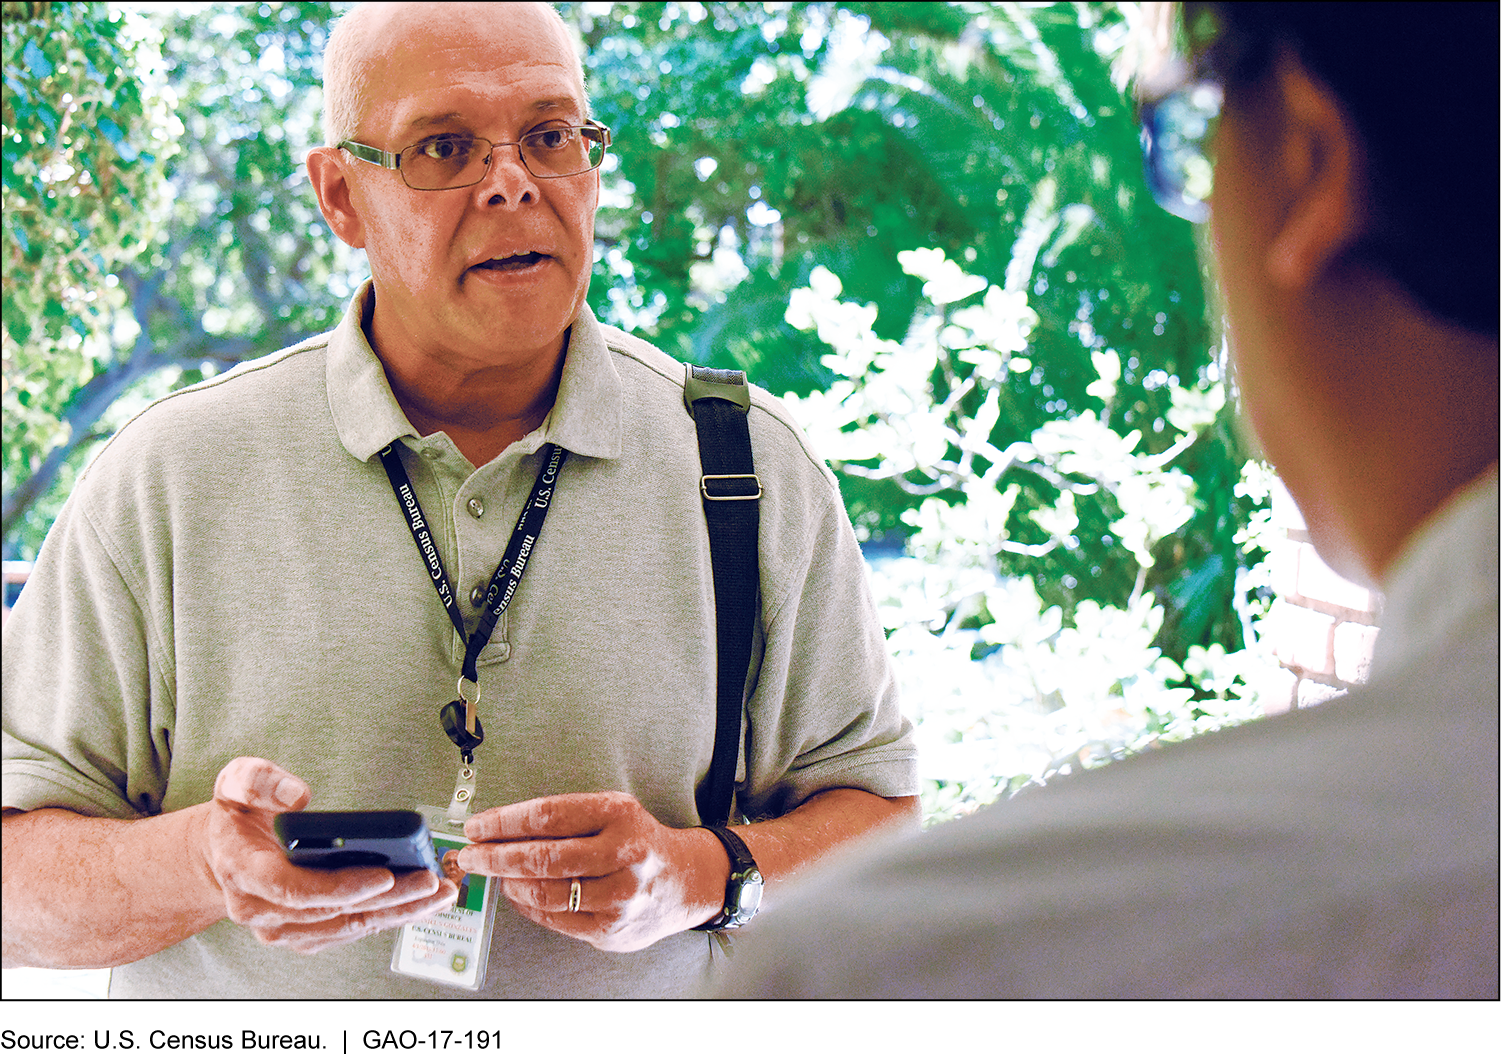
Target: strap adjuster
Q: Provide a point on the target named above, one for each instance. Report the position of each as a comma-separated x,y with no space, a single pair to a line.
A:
703,484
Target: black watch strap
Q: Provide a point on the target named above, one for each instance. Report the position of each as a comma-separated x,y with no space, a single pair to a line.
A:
742,894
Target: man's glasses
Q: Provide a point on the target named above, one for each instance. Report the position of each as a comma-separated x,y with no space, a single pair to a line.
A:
1175,131
452,160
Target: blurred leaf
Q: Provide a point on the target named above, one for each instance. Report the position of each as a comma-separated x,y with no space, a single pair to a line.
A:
36,62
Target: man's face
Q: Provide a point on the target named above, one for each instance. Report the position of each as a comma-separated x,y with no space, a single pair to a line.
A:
497,71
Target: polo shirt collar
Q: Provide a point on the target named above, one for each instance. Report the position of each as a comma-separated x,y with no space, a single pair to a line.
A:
587,418
1444,578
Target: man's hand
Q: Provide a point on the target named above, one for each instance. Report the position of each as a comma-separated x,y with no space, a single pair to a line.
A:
639,880
305,909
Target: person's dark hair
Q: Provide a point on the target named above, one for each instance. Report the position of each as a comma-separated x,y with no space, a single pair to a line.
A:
1419,81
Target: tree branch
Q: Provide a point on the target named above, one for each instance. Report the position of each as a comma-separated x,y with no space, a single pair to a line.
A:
90,403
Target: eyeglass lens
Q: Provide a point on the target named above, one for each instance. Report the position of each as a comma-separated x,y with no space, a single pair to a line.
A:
456,159
1175,131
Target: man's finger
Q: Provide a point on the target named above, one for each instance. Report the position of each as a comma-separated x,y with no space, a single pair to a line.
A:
416,892
248,781
410,887
593,856
311,937
566,815
265,874
597,895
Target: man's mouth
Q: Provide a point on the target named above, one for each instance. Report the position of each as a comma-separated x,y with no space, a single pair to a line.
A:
515,262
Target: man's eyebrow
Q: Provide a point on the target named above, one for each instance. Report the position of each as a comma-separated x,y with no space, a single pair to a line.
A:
541,106
433,119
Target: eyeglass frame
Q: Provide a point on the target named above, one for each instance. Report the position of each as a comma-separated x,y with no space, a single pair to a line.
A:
1165,180
388,160
1215,60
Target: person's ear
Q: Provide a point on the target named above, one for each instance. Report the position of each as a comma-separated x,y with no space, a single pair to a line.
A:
325,167
1318,160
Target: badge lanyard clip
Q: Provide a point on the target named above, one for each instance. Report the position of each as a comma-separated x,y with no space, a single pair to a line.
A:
463,794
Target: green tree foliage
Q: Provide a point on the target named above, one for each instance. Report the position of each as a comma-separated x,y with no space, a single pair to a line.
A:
924,222
1006,689
158,222
85,131
759,142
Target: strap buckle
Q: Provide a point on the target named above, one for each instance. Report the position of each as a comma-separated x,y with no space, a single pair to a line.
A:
703,484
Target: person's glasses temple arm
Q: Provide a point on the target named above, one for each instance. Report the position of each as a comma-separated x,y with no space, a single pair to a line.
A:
372,154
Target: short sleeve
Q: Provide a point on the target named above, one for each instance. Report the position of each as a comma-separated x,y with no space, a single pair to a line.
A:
825,711
87,712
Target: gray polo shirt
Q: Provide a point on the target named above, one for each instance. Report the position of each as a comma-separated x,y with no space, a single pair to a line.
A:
233,576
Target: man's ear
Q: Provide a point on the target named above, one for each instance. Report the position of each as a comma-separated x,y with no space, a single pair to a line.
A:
325,167
1319,162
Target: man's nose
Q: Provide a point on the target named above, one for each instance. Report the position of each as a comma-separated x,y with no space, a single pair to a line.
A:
507,179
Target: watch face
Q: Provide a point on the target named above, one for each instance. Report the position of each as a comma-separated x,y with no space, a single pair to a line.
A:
748,897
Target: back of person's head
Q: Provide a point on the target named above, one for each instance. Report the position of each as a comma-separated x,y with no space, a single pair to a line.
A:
1419,83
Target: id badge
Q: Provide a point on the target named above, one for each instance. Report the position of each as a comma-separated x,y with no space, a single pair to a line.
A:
453,947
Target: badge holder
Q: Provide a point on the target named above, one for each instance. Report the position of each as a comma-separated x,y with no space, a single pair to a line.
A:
451,948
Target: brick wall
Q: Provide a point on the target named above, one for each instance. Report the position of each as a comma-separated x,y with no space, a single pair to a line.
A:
1321,627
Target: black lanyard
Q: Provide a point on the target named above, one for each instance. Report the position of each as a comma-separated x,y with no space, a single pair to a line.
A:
459,720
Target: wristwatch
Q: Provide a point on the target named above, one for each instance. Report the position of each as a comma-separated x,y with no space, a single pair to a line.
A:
742,894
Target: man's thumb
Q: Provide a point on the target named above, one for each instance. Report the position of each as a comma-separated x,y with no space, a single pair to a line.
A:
260,784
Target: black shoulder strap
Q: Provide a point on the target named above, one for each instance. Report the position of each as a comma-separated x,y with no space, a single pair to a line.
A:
719,402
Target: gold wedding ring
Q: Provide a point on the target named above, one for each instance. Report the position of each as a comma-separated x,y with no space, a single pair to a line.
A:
575,894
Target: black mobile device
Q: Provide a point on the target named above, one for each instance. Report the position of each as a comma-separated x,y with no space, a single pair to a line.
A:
397,840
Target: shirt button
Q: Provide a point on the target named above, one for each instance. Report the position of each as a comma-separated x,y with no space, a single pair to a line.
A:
431,453
477,596
477,507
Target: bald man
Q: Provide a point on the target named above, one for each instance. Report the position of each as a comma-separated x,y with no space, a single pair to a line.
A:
230,619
